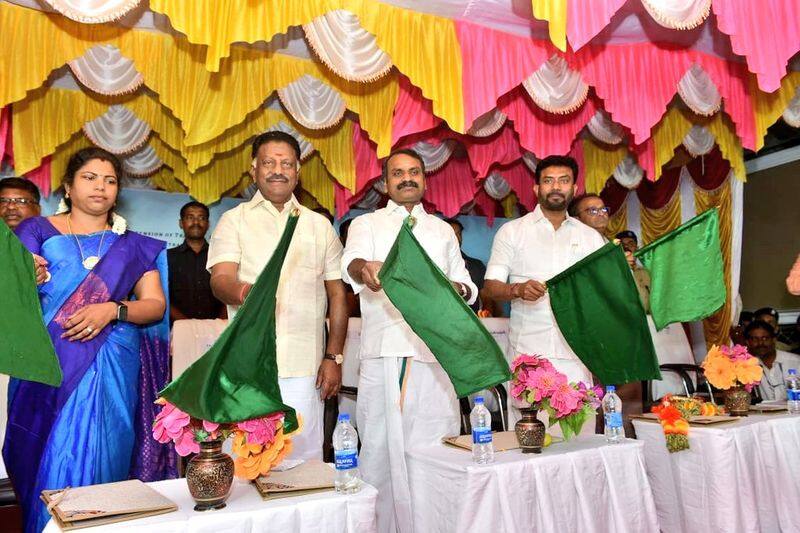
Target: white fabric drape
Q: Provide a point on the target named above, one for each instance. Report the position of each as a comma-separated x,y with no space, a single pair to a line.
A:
530,160
699,92
346,48
104,70
634,215
380,186
306,149
678,14
792,113
699,141
628,173
555,87
142,163
737,220
93,11
488,123
117,130
496,186
687,186
604,129
370,201
435,155
312,103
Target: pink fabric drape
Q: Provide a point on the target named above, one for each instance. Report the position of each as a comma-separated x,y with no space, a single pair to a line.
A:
541,132
486,206
501,148
365,153
5,127
731,80
646,157
577,154
493,63
451,187
520,178
587,18
41,176
765,32
412,111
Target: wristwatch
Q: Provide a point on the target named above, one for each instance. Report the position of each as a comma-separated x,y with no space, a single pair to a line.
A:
122,312
337,358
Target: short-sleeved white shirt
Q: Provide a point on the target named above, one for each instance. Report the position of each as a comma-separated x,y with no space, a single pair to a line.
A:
248,235
530,248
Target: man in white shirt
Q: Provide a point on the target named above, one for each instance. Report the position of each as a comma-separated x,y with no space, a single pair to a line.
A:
760,338
405,399
310,282
530,250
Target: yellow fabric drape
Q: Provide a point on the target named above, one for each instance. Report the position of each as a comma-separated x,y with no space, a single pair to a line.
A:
619,221
509,203
555,12
206,104
165,179
717,326
769,107
58,163
316,181
657,222
424,47
729,144
599,163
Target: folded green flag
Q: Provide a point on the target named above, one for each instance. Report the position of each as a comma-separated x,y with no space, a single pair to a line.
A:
598,311
686,271
237,378
440,317
26,351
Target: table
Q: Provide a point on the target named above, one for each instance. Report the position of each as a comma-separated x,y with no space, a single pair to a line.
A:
740,476
582,485
246,511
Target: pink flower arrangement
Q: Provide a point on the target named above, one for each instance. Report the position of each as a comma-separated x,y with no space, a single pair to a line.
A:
536,384
173,425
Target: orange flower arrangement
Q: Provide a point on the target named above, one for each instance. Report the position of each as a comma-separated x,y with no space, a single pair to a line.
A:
727,367
674,414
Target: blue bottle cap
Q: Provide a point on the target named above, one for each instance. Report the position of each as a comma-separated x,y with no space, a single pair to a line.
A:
344,417
792,371
611,388
479,400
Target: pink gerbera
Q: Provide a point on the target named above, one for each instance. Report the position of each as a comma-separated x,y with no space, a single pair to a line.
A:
527,360
566,400
544,382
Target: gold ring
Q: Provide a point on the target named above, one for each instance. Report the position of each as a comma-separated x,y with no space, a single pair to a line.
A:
89,329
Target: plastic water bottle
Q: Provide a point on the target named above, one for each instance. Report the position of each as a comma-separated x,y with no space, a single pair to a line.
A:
345,452
612,412
481,421
793,391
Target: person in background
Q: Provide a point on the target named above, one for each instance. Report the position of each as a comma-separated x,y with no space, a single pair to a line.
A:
772,317
776,363
190,293
591,210
102,295
19,200
630,243
475,267
737,331
309,364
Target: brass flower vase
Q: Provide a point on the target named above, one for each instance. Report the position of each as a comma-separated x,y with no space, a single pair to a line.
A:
530,431
737,401
209,475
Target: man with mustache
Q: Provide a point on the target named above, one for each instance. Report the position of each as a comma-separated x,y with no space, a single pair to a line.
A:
530,250
310,282
760,337
19,200
190,293
405,399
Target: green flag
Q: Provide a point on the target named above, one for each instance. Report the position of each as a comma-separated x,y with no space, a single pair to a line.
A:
440,317
26,351
598,311
237,378
686,271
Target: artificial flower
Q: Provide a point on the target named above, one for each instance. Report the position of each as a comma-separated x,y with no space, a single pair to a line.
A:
261,430
566,400
169,423
544,382
186,443
719,373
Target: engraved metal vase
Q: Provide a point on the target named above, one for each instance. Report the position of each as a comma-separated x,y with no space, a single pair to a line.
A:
530,431
209,475
737,401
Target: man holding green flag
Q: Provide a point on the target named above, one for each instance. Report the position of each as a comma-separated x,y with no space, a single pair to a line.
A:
405,398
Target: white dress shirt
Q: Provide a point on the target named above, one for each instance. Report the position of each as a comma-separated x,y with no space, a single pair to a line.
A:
773,384
248,235
529,248
384,333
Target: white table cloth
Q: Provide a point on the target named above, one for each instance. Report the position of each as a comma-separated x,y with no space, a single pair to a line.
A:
740,476
582,485
246,511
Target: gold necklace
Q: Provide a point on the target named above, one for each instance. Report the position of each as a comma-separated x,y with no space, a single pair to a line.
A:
88,262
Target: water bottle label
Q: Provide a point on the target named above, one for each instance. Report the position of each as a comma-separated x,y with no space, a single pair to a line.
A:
613,420
481,436
346,459
793,395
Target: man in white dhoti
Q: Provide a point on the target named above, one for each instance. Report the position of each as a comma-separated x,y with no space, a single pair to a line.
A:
310,283
405,399
528,251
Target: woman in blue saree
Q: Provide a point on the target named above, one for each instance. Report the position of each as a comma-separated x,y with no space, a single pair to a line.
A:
103,300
